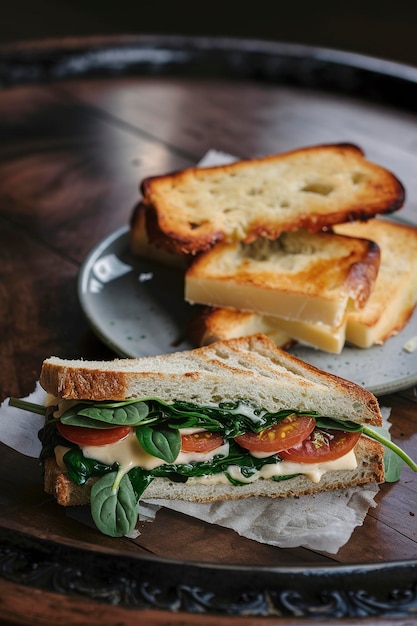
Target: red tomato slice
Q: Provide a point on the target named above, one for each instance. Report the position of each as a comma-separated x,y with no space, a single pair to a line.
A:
286,434
203,441
92,436
321,446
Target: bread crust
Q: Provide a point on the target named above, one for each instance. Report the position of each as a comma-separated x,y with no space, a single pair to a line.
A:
394,296
79,383
250,367
191,210
141,244
370,469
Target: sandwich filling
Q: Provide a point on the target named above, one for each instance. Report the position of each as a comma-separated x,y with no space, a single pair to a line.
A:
126,445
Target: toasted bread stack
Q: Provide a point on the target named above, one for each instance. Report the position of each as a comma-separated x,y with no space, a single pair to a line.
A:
291,245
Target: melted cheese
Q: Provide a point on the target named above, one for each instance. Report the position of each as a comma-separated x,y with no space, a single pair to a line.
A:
313,471
128,453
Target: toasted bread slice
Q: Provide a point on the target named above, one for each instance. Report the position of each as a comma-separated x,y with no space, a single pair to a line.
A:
311,188
394,296
248,367
387,311
210,325
213,324
303,276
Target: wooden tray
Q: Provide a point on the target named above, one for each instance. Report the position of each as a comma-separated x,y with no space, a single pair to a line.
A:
83,121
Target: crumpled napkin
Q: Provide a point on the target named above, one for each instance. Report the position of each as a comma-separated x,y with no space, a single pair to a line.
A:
323,522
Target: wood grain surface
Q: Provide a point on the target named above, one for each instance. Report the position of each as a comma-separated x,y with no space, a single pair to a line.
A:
72,155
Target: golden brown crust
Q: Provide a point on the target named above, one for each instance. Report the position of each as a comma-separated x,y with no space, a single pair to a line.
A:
178,224
141,244
82,383
394,296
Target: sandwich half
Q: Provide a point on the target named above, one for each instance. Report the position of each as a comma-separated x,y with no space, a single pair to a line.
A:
232,420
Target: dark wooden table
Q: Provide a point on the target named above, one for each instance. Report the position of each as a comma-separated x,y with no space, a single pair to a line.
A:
82,122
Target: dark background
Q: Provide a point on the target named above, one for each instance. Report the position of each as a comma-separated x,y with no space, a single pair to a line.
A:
376,28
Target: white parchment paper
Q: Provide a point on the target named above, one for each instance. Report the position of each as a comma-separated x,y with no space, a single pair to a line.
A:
322,522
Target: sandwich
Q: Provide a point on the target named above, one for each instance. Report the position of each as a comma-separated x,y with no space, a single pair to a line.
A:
310,188
232,420
391,302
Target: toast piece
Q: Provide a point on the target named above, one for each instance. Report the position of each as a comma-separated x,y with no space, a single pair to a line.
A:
213,324
388,309
249,367
303,276
210,325
311,188
370,468
394,296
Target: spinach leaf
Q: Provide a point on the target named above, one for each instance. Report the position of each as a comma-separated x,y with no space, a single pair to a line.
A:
280,478
233,481
162,442
140,479
81,469
394,457
217,465
330,423
229,418
114,505
50,438
99,415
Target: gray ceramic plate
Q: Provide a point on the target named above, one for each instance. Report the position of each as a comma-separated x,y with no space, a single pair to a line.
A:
137,308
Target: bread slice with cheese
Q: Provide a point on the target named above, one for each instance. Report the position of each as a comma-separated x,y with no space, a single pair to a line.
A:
303,276
387,310
233,392
216,324
209,325
394,296
311,188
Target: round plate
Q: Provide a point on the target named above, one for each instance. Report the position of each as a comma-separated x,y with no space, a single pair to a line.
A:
137,308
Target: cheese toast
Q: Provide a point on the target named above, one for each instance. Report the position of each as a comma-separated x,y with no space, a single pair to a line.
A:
303,276
387,310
